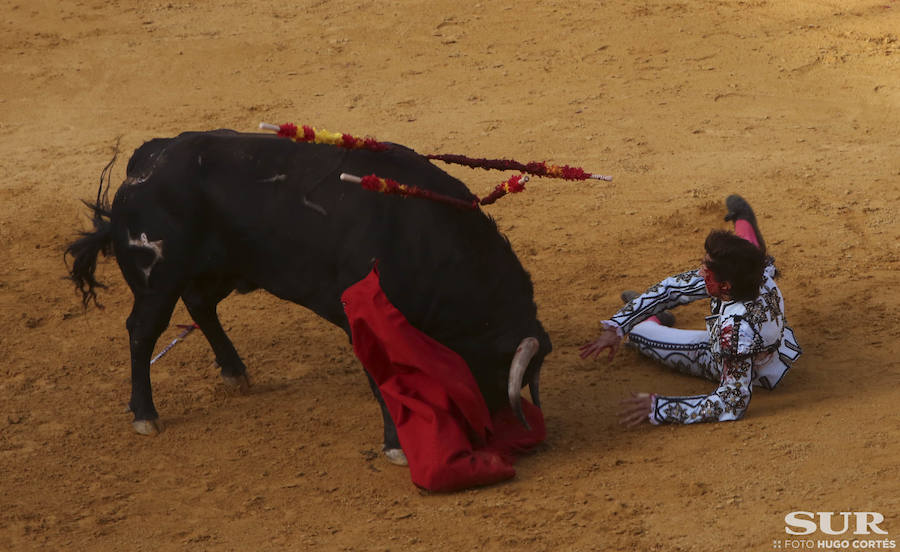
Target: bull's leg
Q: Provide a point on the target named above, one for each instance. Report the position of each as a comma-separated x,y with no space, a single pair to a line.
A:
149,317
392,450
201,298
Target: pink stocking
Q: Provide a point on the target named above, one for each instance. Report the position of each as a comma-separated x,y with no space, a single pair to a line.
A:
745,230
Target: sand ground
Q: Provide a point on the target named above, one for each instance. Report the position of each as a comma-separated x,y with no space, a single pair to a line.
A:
792,104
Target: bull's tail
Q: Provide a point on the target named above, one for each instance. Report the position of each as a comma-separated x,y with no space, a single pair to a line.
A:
89,245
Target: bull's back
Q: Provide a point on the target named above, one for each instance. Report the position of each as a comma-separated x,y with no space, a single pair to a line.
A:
274,213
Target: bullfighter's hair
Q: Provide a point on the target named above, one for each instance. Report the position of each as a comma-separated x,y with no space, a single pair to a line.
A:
736,260
89,245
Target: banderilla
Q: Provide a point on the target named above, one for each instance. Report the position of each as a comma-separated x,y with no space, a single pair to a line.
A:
186,329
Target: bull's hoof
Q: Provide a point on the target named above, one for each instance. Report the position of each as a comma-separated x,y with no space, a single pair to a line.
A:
396,457
237,383
147,427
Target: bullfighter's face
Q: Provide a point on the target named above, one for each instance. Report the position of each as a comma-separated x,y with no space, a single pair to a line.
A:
714,287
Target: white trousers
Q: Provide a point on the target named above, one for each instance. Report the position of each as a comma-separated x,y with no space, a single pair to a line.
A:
686,351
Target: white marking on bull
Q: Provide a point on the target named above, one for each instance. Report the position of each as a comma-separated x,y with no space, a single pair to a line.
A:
276,178
154,246
132,181
154,158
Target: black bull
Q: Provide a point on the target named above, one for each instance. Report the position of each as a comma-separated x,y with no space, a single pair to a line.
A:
206,213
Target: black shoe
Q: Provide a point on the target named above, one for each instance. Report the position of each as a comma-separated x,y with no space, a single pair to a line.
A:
665,318
739,209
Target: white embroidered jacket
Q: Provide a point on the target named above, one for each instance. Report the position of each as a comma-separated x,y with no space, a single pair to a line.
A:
749,341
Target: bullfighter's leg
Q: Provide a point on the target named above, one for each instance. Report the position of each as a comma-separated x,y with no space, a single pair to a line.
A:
744,219
686,351
392,450
149,318
201,298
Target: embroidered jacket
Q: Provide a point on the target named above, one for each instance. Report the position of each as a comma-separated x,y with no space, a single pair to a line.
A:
749,342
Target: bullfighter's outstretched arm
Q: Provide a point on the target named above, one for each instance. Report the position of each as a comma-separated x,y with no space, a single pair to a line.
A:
727,403
680,289
673,291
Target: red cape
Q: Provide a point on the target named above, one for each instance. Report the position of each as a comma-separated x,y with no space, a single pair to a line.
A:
450,438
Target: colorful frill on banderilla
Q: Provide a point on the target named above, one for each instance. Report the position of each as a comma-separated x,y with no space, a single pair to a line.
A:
514,184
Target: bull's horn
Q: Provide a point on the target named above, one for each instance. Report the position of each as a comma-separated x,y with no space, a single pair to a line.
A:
527,348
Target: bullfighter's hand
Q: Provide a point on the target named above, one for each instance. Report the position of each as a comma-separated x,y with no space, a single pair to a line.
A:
609,339
636,409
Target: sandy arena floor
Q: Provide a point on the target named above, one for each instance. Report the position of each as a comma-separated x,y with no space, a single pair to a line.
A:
796,105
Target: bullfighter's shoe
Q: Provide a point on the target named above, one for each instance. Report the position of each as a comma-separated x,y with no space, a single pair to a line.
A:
666,318
740,210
